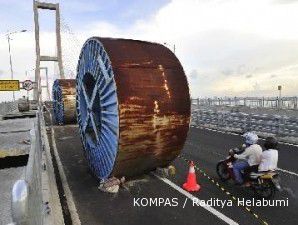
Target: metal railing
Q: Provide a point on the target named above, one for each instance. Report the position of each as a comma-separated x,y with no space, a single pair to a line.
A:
260,102
35,200
27,205
8,107
242,122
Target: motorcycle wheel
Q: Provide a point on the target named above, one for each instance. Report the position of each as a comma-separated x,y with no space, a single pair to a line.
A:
222,171
265,190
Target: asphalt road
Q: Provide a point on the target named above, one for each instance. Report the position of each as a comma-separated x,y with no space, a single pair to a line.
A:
206,148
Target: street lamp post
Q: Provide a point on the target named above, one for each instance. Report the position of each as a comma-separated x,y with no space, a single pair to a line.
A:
9,50
279,97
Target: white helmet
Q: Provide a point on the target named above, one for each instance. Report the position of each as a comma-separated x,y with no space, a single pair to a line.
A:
250,138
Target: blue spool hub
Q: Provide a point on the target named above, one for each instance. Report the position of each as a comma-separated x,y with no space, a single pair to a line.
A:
97,108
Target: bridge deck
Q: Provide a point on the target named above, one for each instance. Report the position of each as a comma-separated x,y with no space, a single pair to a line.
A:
96,207
14,146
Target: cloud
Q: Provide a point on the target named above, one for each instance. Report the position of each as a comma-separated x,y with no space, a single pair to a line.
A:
227,72
210,40
194,75
86,6
285,1
256,86
234,44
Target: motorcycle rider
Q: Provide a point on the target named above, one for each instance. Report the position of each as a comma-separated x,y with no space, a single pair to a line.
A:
269,157
248,160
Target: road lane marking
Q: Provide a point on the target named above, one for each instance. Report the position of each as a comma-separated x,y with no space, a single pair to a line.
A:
68,194
221,155
225,190
237,134
287,171
192,197
184,203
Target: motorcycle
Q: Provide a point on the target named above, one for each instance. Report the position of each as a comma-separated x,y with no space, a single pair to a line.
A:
264,184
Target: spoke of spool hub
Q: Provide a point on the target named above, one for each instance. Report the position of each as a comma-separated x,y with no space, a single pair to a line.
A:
109,122
94,93
102,65
85,94
109,113
108,82
94,126
85,123
108,103
107,94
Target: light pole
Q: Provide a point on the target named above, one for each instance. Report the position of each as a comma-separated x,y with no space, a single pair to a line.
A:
9,50
279,97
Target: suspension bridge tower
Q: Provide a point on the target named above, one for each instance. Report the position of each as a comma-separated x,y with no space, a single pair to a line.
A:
39,58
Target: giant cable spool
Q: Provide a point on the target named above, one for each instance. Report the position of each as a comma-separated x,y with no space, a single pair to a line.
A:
133,106
64,101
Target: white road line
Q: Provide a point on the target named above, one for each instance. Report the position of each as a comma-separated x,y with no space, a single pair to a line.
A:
190,196
68,194
286,171
222,155
290,144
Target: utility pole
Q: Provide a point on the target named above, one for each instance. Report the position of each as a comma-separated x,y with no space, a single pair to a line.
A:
279,98
10,60
10,63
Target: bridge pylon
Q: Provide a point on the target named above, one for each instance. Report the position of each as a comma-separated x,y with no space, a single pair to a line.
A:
39,58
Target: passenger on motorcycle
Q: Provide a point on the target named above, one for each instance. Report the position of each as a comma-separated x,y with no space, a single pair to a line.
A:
269,157
249,160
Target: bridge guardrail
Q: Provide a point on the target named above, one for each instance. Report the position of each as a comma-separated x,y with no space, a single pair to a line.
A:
242,122
254,102
27,205
8,107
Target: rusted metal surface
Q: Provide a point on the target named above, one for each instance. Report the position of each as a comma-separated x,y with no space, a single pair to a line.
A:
23,105
153,104
64,100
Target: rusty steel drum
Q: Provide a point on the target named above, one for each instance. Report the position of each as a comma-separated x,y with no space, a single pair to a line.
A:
133,106
23,105
64,101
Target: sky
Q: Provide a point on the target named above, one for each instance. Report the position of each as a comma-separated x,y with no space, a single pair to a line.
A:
226,47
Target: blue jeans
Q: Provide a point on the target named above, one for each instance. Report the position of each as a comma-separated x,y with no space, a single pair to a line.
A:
237,167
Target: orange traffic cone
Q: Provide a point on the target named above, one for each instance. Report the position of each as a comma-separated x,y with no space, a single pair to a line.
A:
191,183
